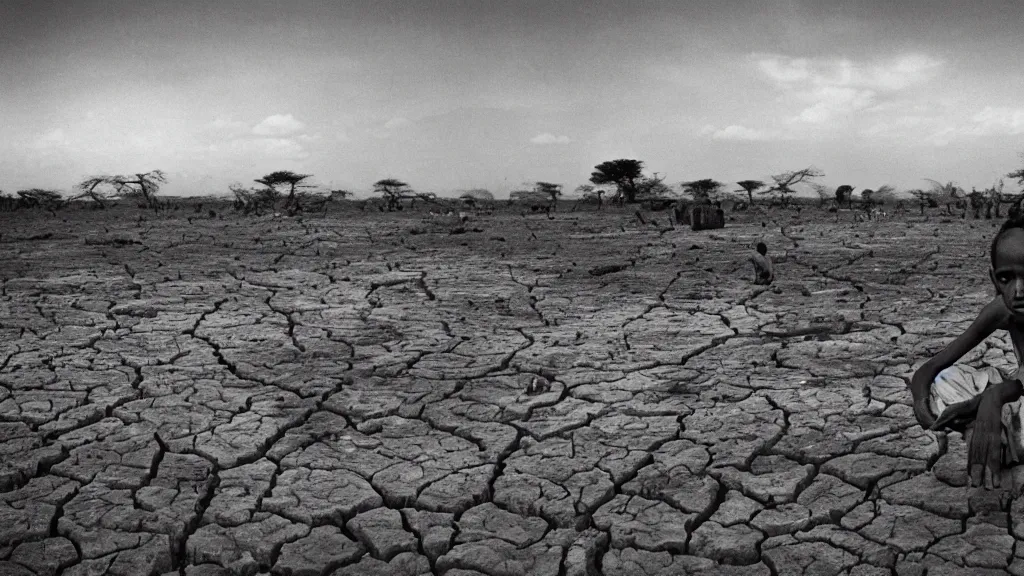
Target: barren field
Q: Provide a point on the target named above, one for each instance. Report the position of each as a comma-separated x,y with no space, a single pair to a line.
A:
360,393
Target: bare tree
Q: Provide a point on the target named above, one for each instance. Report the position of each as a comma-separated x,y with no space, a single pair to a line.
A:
144,185
945,194
424,196
825,194
99,189
785,181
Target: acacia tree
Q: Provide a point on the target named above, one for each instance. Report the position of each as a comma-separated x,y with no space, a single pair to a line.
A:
866,198
924,199
945,193
282,177
7,202
99,189
885,195
144,185
750,186
624,173
703,191
552,191
785,181
824,194
393,190
1019,173
253,199
40,198
652,187
995,194
589,192
976,200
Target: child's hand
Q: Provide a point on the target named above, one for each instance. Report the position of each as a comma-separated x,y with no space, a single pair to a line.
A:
984,455
955,416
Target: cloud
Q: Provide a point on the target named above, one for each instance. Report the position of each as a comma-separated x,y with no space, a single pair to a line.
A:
784,70
278,125
390,128
997,120
828,102
941,129
224,127
674,74
53,139
549,138
903,72
273,148
916,130
734,132
279,136
279,148
396,122
887,75
831,88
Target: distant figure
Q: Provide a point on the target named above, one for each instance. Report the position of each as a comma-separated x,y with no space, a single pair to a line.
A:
764,272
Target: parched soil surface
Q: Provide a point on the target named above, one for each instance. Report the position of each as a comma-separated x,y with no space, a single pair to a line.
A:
363,393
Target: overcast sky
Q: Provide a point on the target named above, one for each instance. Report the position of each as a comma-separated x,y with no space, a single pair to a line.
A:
450,95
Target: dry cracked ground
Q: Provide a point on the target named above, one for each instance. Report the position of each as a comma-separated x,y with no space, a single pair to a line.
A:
357,393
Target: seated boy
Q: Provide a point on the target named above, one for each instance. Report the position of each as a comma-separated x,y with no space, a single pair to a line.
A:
982,402
764,273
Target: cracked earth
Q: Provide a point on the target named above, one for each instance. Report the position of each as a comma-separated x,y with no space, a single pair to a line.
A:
360,394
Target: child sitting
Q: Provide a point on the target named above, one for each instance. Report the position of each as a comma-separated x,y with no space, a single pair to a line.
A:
982,402
764,273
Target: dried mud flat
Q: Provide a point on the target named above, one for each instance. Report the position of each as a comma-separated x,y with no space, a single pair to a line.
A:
366,393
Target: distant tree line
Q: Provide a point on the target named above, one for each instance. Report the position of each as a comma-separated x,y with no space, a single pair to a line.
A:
620,181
